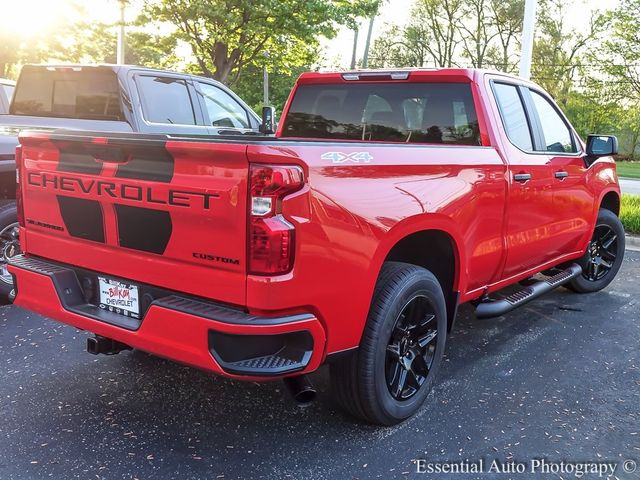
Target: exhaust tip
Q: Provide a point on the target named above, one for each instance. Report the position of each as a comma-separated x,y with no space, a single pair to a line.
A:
92,346
301,390
97,345
305,397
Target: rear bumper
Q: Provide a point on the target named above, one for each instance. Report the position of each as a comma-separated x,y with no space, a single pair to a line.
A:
213,337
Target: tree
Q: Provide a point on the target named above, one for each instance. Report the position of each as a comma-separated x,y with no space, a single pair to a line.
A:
226,36
430,38
445,33
622,49
506,19
558,53
476,31
96,43
15,52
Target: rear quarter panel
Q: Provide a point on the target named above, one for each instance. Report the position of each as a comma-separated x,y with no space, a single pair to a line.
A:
353,212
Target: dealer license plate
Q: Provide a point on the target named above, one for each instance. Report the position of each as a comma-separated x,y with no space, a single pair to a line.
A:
119,297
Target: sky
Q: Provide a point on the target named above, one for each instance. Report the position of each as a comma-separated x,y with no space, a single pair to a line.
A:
25,17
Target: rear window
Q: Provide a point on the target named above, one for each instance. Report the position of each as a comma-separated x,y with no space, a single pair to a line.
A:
87,93
402,112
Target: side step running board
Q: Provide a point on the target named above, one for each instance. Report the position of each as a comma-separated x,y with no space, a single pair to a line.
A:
496,308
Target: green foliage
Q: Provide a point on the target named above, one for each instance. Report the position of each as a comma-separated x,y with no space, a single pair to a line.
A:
630,213
14,52
621,49
226,36
96,43
558,51
628,169
250,87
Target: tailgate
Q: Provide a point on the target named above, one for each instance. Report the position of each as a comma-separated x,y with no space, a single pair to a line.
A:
167,213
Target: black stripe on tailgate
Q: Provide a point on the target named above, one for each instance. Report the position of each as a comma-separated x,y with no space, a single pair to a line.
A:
150,163
83,218
143,228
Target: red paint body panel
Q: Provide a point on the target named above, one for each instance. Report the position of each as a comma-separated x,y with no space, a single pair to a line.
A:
347,218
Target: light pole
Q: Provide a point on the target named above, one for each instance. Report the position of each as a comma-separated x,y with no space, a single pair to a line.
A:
365,59
528,30
265,81
121,39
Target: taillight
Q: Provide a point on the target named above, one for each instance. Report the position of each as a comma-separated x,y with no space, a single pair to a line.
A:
271,236
19,204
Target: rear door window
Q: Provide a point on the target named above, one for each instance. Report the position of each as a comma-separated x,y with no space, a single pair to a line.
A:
73,92
396,112
514,118
165,100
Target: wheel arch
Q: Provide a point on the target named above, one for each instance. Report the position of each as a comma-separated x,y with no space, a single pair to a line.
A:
610,200
408,243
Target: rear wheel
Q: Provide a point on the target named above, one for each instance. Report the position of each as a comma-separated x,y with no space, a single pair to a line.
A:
9,246
391,374
604,255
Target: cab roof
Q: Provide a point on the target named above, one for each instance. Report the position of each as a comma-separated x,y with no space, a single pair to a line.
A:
458,75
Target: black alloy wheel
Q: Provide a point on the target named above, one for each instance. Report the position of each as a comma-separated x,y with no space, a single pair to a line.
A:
411,349
602,253
603,257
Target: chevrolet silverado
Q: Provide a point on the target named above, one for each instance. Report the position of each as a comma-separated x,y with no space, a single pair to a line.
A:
386,200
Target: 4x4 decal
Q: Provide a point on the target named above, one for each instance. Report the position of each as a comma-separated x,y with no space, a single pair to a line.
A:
353,157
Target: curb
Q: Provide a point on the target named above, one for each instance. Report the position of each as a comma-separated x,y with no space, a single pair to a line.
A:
632,242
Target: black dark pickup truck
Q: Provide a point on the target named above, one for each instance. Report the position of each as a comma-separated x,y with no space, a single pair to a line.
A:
108,98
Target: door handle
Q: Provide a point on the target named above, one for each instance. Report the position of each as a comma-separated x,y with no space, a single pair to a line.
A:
229,131
522,177
562,175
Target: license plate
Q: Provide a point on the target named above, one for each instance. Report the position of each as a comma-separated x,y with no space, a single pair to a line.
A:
119,297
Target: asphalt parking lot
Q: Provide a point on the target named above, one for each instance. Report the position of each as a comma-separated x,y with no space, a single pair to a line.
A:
558,379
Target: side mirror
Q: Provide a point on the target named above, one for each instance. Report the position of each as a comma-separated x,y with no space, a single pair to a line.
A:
601,146
268,116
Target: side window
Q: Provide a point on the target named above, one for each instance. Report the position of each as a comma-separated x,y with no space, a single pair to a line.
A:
165,100
557,136
513,115
223,110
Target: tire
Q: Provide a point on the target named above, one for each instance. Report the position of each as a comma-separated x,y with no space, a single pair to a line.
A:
367,384
9,246
603,257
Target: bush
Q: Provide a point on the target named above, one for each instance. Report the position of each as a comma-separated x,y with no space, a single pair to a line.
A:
630,213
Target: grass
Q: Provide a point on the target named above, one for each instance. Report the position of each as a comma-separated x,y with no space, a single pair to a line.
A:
630,213
628,169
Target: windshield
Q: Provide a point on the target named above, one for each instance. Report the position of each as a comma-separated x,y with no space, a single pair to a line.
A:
87,93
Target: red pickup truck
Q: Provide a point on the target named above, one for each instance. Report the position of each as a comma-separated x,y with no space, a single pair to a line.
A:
385,200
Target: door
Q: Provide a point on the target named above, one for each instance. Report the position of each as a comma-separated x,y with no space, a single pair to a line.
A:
530,239
168,105
573,202
223,114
